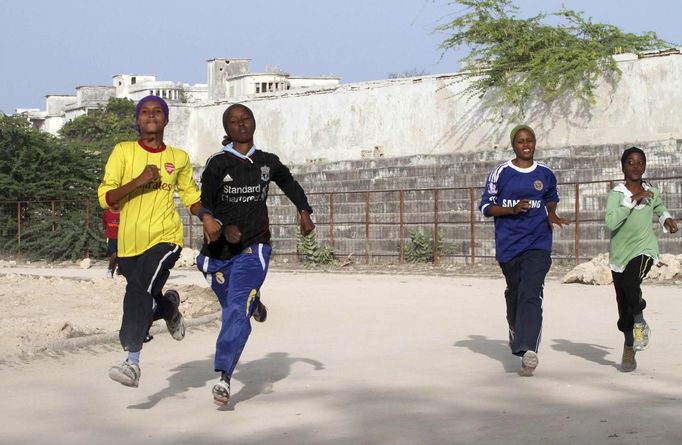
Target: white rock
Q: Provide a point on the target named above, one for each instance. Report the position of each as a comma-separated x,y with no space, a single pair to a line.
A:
188,258
596,271
86,263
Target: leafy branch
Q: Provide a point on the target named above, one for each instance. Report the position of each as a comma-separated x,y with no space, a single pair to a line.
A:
513,62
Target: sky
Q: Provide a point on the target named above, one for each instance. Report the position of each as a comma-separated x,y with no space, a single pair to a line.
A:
53,46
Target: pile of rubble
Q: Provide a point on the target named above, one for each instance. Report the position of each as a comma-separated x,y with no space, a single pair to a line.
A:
596,271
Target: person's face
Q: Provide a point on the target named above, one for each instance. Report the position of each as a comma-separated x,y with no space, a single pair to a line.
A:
524,145
151,119
240,125
634,167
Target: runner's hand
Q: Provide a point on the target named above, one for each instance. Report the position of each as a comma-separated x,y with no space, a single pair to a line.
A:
211,228
232,234
149,174
307,224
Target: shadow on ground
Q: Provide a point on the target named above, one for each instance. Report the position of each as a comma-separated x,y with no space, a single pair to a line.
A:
257,377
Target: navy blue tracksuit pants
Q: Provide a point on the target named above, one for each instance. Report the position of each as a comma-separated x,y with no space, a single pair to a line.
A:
525,277
236,282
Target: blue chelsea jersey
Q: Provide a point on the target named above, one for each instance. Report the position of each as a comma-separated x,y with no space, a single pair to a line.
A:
505,187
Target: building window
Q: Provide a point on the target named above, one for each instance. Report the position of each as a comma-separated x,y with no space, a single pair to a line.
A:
133,80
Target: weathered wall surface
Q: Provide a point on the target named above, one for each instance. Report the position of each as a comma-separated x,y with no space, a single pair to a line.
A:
426,116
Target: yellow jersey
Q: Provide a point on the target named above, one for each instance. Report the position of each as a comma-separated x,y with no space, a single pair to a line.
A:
148,214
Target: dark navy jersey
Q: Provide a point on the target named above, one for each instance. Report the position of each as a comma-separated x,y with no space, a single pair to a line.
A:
505,187
235,188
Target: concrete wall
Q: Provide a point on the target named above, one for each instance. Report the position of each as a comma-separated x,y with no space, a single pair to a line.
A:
425,115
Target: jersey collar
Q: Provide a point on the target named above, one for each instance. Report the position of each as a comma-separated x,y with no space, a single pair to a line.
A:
523,170
230,149
151,149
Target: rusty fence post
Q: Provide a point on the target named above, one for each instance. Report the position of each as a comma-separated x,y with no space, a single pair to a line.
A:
367,227
402,227
472,225
18,227
52,215
331,220
577,223
87,224
436,235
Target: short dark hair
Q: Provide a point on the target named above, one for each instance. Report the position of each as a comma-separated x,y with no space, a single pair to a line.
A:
630,151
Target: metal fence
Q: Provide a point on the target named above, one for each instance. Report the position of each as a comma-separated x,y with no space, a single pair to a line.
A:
375,226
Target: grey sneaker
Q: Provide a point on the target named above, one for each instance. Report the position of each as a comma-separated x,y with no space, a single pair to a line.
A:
175,324
221,392
127,373
528,363
628,362
642,333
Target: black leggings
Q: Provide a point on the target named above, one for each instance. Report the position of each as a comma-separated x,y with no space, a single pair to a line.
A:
629,292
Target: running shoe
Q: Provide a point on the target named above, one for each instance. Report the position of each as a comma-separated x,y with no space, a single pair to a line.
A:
260,313
642,333
127,373
176,323
528,363
221,392
628,363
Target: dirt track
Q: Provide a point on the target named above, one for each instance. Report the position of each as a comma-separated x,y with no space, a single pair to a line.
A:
350,359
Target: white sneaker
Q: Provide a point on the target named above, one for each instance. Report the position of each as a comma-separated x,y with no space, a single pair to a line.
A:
127,373
221,392
528,363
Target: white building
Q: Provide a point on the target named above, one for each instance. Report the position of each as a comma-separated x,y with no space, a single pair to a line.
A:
232,79
228,79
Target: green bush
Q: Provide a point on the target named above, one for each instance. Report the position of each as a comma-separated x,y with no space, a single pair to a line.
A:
313,252
420,248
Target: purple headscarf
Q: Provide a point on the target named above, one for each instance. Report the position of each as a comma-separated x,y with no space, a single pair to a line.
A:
157,99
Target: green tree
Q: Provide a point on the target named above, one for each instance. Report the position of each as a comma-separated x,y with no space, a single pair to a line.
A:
514,62
37,166
59,176
98,131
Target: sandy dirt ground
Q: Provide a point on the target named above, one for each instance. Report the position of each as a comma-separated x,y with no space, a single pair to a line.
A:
342,359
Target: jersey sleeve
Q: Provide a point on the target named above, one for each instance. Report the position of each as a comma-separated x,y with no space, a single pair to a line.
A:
291,188
616,210
552,193
187,186
489,196
113,174
209,186
660,210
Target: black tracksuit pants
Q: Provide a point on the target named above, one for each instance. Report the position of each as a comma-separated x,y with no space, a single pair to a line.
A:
629,290
144,301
